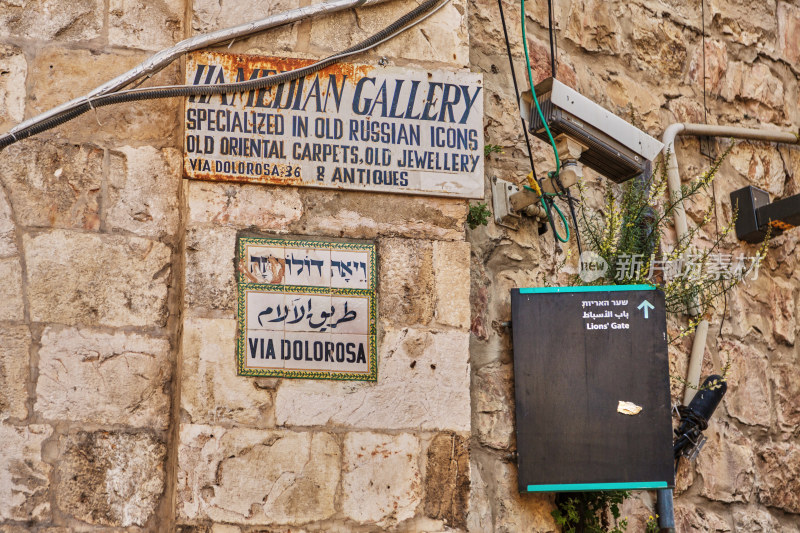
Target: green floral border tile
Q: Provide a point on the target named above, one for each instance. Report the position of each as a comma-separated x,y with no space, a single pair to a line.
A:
242,287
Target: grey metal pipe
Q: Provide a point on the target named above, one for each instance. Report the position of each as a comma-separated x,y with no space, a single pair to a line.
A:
681,226
696,361
665,511
163,58
671,158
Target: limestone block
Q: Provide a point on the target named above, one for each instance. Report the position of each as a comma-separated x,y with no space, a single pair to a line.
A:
748,396
727,464
443,38
8,237
516,512
753,82
423,384
296,481
447,475
744,22
381,482
49,20
145,25
15,343
786,384
143,191
686,109
58,75
788,30
624,93
493,398
594,26
11,306
24,477
210,15
365,216
225,204
637,509
761,165
761,85
716,54
451,263
752,318
783,258
658,44
202,528
13,69
53,184
779,476
539,53
480,507
783,305
211,392
91,279
110,478
224,528
406,282
732,82
754,521
210,274
689,517
95,377
479,299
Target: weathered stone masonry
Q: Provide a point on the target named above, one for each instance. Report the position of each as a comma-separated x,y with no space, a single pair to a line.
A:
120,409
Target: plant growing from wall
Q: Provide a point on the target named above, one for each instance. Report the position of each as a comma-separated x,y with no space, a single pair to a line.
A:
628,235
478,215
587,512
489,149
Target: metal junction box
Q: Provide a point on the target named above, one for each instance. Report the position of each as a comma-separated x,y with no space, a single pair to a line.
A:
592,388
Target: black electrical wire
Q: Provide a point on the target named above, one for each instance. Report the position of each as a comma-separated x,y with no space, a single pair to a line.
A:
570,201
205,90
703,15
516,88
552,38
553,69
713,185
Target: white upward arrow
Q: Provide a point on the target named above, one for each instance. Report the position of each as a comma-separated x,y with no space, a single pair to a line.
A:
645,306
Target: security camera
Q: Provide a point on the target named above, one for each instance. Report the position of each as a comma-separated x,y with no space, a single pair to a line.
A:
756,214
606,143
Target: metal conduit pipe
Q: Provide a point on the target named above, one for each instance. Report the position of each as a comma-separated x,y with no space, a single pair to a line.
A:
163,58
671,159
664,496
681,227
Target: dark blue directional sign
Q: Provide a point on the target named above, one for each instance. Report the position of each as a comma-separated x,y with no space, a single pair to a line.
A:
592,388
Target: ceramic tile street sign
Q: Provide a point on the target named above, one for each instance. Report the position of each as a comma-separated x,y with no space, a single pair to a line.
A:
306,309
356,127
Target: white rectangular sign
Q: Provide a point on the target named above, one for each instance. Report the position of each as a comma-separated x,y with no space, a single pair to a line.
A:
357,127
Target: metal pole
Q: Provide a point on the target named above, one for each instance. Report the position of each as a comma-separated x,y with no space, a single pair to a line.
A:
665,511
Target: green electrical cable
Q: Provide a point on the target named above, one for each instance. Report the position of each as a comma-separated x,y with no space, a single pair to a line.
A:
533,91
563,220
549,216
549,135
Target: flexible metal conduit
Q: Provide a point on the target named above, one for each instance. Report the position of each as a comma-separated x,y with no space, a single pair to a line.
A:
681,227
163,58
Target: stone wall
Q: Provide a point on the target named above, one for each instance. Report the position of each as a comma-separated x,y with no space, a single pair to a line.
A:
120,404
644,59
120,409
